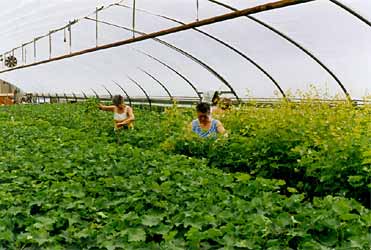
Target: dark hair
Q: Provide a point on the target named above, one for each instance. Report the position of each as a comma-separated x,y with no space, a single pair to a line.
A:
216,98
203,107
117,100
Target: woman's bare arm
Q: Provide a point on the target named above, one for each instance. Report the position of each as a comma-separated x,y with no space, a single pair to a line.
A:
106,108
220,127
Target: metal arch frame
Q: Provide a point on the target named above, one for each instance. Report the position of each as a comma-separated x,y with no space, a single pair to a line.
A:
274,30
158,81
220,41
172,69
154,35
123,90
145,93
109,92
96,94
348,9
74,96
85,96
186,54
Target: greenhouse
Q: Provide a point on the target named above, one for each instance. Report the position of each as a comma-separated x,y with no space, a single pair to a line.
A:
236,124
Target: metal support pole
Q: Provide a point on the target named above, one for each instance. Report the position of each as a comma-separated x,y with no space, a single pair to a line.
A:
197,10
70,35
34,50
134,11
96,26
50,45
23,53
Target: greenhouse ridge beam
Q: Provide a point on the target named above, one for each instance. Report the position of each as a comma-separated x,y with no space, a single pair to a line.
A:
186,54
235,14
172,69
360,17
158,81
292,42
243,55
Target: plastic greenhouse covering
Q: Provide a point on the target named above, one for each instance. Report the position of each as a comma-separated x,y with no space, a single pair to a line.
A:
323,44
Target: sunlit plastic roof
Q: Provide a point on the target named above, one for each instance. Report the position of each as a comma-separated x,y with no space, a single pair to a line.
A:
323,44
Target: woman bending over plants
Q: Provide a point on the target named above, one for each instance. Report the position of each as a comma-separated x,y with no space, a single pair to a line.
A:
123,115
204,126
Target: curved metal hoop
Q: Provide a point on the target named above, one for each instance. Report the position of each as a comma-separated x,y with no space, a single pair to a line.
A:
186,54
348,9
158,81
172,69
109,92
243,55
123,90
143,90
292,42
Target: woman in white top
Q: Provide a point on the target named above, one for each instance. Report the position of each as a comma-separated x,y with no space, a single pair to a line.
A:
123,115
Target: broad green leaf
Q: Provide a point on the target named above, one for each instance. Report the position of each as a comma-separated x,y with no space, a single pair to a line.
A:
151,220
136,234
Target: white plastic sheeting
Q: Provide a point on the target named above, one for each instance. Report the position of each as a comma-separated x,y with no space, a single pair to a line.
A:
338,39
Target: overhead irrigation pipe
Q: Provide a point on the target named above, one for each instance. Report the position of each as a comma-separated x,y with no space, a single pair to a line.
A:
220,42
220,18
172,69
158,81
291,41
123,90
186,54
145,93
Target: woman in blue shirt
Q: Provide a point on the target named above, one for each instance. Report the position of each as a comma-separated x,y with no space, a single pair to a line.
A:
204,126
